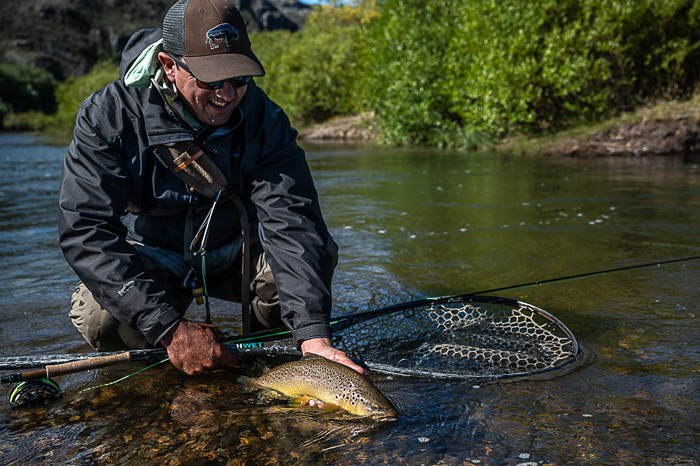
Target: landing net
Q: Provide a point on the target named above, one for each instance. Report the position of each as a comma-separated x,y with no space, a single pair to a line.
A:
473,337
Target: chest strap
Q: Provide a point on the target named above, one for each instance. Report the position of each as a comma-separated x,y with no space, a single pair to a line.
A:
193,166
188,161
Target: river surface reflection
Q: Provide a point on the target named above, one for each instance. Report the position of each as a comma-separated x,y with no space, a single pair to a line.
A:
410,223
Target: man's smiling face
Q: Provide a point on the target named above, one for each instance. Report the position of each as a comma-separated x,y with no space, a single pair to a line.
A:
212,107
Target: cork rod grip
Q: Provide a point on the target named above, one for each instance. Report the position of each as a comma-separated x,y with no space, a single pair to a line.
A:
87,364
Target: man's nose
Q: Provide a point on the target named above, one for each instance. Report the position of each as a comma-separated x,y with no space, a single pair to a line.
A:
227,92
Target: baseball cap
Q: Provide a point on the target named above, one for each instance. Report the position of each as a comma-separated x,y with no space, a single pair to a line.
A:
212,36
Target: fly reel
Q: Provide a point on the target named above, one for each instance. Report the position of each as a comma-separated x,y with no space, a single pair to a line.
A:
32,392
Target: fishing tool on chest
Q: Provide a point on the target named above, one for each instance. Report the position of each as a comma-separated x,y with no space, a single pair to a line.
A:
198,283
189,162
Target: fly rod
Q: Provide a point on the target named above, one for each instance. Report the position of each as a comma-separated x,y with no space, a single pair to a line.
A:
254,344
70,364
347,321
38,386
35,386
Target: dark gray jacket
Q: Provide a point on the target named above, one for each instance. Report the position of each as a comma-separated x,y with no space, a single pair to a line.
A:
110,165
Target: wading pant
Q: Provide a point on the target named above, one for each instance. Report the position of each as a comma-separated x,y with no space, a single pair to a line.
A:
105,333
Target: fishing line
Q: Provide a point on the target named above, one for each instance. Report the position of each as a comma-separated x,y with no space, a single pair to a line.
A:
125,377
582,275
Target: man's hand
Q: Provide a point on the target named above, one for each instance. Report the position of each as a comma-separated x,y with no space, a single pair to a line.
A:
323,347
193,347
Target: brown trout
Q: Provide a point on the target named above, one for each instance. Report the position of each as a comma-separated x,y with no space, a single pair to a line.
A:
315,377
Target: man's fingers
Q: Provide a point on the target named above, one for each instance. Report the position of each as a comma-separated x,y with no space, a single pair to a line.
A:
227,358
349,362
323,347
194,348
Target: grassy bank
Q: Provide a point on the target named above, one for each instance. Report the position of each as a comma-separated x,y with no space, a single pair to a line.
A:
483,73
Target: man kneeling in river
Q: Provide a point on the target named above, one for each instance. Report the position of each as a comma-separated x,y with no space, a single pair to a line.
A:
127,222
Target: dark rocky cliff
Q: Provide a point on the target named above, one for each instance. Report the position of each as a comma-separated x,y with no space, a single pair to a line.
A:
67,37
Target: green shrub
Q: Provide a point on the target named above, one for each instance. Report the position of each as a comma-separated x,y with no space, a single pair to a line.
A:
5,108
24,88
27,121
408,83
518,68
71,93
67,98
662,53
450,71
314,74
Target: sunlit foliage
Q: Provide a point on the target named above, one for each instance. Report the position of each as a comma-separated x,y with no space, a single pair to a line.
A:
318,72
456,73
68,97
450,68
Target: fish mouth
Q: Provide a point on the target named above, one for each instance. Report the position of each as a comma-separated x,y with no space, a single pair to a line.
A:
386,418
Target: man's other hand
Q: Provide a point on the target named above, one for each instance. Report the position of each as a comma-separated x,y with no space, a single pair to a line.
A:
324,347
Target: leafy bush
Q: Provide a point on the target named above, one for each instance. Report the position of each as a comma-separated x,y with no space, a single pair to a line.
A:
27,121
71,93
314,74
24,88
67,98
662,47
519,68
449,71
516,67
5,108
408,84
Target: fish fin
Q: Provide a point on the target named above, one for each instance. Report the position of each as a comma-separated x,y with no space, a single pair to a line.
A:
302,400
247,385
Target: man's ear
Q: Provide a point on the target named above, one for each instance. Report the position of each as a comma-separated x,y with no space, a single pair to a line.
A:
168,65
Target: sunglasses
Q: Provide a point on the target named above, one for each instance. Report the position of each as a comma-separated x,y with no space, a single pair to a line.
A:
240,81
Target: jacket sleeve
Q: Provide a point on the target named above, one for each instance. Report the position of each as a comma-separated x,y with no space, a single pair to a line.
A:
295,234
92,198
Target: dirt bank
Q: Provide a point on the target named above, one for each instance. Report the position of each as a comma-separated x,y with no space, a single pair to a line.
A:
679,136
354,128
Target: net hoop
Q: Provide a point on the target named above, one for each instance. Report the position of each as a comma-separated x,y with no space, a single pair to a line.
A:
474,338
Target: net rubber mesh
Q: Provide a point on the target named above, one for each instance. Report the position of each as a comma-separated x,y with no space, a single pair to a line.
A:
478,337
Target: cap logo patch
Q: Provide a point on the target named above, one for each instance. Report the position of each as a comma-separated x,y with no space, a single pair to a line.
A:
223,31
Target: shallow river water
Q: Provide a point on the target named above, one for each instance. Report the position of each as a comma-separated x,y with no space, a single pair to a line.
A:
410,223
